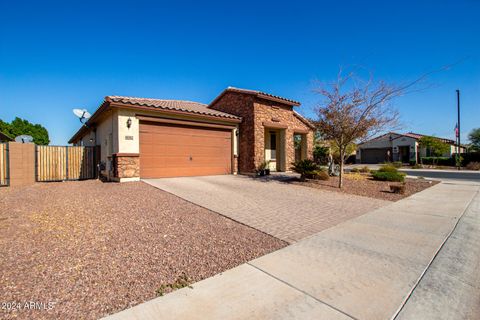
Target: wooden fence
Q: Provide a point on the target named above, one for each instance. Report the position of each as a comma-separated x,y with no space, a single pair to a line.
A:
4,165
58,163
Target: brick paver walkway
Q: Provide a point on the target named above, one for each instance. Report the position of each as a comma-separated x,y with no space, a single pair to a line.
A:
288,212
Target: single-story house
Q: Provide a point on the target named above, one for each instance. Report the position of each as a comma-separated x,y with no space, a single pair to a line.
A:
4,137
237,132
394,146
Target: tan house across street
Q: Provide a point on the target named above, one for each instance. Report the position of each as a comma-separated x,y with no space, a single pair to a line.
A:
394,146
237,132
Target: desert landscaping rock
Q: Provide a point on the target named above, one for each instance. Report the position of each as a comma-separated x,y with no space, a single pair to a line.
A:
363,185
95,248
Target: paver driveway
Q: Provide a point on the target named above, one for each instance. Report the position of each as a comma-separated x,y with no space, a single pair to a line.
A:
286,211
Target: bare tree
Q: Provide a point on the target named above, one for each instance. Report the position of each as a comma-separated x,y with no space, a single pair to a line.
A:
355,110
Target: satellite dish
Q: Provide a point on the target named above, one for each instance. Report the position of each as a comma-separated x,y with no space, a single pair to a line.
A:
82,114
24,139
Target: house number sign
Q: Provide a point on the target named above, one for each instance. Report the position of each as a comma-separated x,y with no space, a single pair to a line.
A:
128,137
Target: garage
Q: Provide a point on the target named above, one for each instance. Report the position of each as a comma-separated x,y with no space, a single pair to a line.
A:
375,155
176,150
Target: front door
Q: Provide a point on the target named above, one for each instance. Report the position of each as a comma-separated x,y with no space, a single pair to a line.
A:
404,154
271,150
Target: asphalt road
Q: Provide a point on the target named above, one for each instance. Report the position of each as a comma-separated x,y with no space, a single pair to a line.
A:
473,176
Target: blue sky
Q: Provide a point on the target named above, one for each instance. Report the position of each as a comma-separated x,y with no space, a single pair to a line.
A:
55,56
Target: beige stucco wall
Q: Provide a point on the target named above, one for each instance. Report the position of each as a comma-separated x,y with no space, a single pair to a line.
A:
128,138
114,137
105,135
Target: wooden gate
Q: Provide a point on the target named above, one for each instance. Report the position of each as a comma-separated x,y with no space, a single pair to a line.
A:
58,163
4,168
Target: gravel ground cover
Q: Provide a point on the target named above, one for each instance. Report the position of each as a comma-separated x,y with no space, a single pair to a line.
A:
363,185
82,250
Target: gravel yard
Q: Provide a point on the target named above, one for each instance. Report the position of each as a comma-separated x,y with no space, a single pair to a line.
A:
94,248
363,185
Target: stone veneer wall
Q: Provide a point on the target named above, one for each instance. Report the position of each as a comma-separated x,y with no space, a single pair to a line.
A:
280,114
127,166
254,112
241,105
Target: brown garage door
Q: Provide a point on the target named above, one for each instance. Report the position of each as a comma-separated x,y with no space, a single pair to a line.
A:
168,150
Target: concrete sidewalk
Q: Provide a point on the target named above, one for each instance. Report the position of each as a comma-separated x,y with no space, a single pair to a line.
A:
365,268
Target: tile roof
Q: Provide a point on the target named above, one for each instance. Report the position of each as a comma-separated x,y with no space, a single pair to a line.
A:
419,136
177,105
258,94
412,135
304,120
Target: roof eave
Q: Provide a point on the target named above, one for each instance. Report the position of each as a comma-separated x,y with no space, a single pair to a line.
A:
90,122
255,94
305,120
234,119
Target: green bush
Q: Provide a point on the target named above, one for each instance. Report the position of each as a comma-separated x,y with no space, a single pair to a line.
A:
440,161
396,164
364,169
469,157
320,154
387,168
317,175
307,168
388,176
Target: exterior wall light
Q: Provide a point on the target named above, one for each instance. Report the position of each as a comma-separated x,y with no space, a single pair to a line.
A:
129,123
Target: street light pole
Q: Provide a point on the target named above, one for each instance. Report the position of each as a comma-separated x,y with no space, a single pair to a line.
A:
458,129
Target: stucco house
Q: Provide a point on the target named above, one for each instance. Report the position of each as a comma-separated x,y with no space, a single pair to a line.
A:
238,131
394,146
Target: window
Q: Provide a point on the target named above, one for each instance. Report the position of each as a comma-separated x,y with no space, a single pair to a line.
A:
273,145
273,141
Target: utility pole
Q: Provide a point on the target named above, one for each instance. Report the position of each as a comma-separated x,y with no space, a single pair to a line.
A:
458,130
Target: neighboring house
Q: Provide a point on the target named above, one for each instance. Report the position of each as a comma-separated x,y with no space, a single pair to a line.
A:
153,138
4,137
394,146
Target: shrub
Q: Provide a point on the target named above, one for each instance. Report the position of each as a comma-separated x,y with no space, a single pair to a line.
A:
441,161
355,170
321,175
469,157
320,154
412,162
388,168
473,166
364,169
388,176
396,164
307,168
